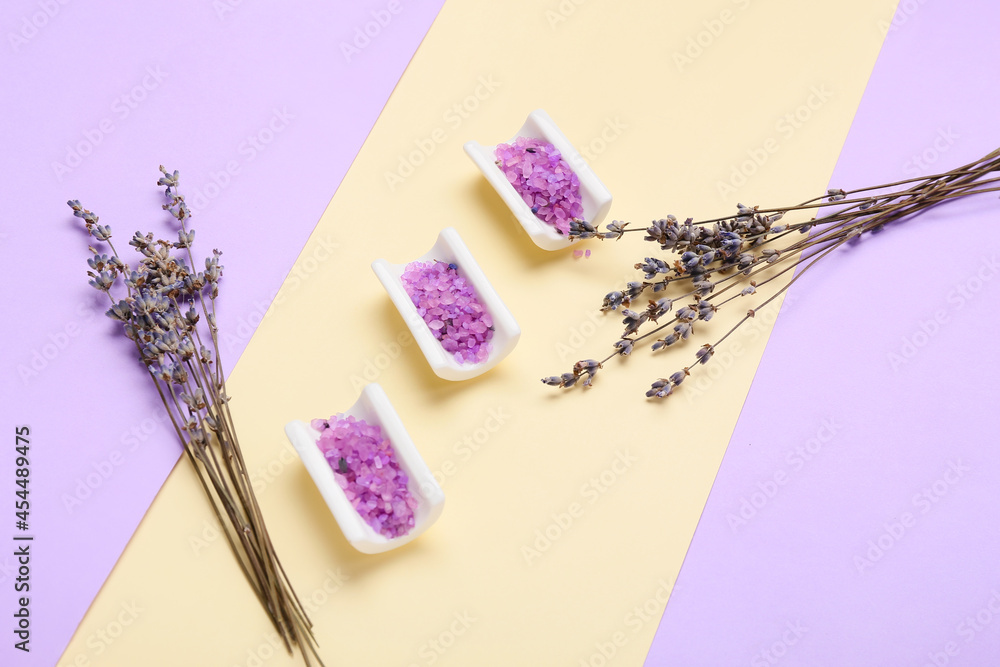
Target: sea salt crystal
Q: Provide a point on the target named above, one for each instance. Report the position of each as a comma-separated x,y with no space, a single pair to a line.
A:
457,319
365,467
543,179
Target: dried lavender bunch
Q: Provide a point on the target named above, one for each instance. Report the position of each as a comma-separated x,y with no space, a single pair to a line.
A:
167,309
718,261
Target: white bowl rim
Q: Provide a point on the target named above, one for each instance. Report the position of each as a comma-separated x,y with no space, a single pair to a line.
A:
450,247
596,196
373,406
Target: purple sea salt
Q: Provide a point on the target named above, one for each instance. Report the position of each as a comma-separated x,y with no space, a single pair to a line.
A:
449,306
365,467
544,180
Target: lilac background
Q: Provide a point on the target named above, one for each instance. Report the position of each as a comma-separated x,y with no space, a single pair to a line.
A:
787,581
225,72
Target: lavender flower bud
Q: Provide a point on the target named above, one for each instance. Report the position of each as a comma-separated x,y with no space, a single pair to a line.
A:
179,374
690,260
731,246
616,230
186,348
705,310
633,320
150,352
101,232
98,262
703,287
119,311
184,239
744,213
581,229
568,380
624,346
89,219
704,353
655,387
686,314
659,231
612,300
168,179
102,281
659,389
652,266
212,270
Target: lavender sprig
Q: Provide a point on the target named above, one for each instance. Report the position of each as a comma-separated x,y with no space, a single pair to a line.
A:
719,260
166,307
